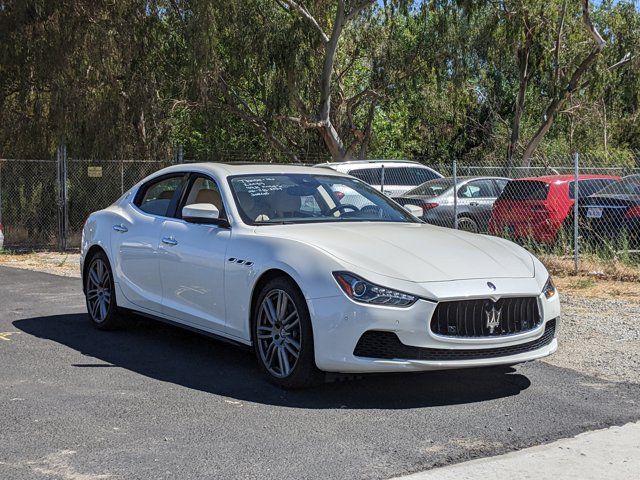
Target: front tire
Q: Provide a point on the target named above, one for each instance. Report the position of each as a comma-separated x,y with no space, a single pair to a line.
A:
283,337
100,293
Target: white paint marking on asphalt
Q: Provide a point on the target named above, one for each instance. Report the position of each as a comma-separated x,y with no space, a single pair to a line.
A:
5,335
613,453
58,465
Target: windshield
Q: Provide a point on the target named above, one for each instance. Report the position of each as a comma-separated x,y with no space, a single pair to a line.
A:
304,198
627,186
432,188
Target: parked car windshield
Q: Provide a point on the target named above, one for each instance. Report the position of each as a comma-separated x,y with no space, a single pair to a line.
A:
303,198
627,186
432,188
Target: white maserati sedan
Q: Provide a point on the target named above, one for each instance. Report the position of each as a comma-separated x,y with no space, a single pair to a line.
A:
268,256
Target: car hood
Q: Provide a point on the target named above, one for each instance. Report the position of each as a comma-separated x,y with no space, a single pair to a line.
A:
412,251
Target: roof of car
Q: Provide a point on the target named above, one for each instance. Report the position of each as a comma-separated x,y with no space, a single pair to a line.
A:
351,165
228,169
464,178
366,162
566,178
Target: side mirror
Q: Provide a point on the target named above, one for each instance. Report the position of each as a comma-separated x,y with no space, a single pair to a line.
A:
205,213
414,210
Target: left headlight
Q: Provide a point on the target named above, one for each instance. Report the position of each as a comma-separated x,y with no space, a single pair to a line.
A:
362,291
549,289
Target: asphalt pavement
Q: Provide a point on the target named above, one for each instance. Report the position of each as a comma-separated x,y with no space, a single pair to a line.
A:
154,401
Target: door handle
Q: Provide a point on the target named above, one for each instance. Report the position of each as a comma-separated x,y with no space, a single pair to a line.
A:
120,228
474,204
169,241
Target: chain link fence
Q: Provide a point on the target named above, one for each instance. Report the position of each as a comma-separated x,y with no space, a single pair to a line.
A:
564,204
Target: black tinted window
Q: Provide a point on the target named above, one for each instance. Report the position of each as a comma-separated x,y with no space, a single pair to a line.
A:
588,187
371,176
156,196
627,186
405,176
525,190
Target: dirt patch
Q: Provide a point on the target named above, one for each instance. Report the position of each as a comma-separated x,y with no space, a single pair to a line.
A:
65,264
590,287
592,267
600,337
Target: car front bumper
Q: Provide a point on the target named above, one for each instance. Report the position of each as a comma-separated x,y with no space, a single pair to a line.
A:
339,324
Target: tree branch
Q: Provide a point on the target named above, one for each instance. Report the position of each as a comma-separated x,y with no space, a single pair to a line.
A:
586,16
250,117
289,5
357,8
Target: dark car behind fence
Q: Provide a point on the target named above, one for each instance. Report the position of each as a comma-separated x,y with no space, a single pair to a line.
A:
44,202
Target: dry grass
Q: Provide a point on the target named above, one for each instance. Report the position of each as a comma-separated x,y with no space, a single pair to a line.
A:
596,278
593,267
590,287
65,264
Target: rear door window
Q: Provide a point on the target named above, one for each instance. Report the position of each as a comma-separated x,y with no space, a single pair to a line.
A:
477,189
156,196
401,176
500,184
407,176
525,190
371,176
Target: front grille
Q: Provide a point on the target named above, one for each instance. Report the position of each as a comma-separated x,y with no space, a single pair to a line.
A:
485,318
387,345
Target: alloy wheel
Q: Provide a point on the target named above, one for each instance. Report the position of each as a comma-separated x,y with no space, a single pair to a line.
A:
98,290
279,334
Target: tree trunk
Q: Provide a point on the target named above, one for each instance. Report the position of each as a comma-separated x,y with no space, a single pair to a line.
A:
559,100
555,106
333,142
523,57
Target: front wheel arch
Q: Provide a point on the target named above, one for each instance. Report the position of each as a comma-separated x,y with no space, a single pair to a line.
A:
305,372
265,278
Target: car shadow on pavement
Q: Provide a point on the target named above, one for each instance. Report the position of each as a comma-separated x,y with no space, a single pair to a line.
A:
170,354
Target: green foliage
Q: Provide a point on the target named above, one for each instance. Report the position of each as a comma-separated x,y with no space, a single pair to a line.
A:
435,79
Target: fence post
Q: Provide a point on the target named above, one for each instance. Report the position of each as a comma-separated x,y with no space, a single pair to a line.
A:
455,193
121,176
61,164
576,251
382,179
179,155
1,163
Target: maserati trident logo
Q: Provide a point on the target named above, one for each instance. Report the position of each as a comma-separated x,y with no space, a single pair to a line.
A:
491,286
493,318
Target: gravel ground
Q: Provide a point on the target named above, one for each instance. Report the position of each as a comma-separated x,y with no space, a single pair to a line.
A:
600,337
64,264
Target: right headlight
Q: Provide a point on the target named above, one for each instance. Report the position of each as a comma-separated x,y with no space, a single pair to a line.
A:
363,291
549,289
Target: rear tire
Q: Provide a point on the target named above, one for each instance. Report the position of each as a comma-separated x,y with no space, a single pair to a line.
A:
468,225
100,293
283,336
